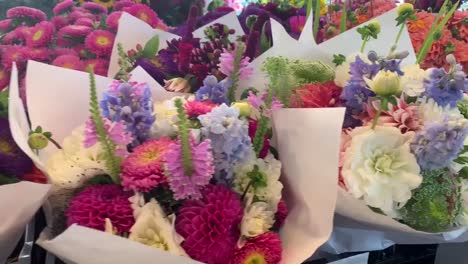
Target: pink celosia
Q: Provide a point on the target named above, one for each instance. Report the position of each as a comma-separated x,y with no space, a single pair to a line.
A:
69,62
186,185
59,22
143,169
23,12
112,20
99,66
265,248
116,131
403,116
65,6
297,23
226,64
95,8
196,108
5,25
144,13
210,225
40,35
84,22
100,42
95,203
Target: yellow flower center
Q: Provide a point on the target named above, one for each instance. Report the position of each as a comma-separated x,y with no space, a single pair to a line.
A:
5,147
68,65
255,258
106,3
103,41
144,17
38,35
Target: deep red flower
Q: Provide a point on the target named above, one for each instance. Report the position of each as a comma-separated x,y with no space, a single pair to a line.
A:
316,95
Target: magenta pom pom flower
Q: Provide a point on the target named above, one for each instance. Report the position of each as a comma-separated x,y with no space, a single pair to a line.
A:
99,66
144,13
112,20
100,42
94,204
23,12
196,108
59,22
226,64
95,8
63,7
119,5
264,248
210,225
4,78
143,170
5,25
69,62
75,31
40,35
188,186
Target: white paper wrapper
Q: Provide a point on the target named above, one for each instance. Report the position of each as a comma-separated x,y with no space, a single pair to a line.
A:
308,142
18,204
133,31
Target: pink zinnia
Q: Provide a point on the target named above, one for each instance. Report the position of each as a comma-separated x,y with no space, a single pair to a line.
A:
112,20
95,8
69,62
188,186
59,22
143,170
100,42
40,35
115,130
84,22
210,226
23,12
5,25
119,5
144,13
4,78
297,23
265,248
196,108
65,6
226,64
99,66
95,203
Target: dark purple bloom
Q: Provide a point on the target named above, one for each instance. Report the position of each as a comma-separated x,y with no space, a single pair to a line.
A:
356,95
446,88
392,65
13,162
151,67
360,69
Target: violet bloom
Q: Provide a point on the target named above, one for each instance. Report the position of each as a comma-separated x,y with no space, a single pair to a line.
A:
446,88
213,91
227,61
116,131
13,162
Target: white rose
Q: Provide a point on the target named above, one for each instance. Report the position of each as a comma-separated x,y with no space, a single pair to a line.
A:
342,74
380,168
258,219
154,229
412,82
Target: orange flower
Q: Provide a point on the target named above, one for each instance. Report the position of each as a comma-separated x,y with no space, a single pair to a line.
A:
362,18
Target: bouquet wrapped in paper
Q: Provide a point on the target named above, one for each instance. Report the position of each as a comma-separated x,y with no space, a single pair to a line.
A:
140,173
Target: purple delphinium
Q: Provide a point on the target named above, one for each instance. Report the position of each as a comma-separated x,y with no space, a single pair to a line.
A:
392,65
131,103
213,91
446,88
13,162
360,69
356,95
439,144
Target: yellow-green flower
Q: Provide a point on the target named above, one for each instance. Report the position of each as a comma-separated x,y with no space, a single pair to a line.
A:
374,26
404,8
385,83
244,108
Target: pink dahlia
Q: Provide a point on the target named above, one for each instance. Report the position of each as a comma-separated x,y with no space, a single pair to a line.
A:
40,35
94,204
4,78
100,42
403,116
226,64
253,125
5,25
196,108
297,23
69,62
119,5
75,31
59,22
23,12
210,225
144,13
95,8
265,248
184,185
87,22
63,7
112,20
99,66
316,95
143,170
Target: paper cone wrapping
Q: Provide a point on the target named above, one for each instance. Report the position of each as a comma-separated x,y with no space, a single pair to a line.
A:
308,141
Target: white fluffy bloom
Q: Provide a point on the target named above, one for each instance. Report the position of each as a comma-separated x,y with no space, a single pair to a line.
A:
462,220
430,111
258,219
270,169
380,168
342,71
154,229
412,82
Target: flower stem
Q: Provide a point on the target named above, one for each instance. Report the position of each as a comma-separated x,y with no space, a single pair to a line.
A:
56,144
316,18
397,38
246,190
235,75
187,159
363,46
343,19
379,112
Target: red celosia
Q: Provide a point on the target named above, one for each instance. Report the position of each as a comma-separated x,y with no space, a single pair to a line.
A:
316,95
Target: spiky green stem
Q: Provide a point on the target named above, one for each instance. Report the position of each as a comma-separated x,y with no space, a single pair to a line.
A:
343,19
112,161
184,135
262,127
123,63
235,75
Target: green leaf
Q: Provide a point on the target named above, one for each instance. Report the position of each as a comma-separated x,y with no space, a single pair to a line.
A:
4,103
338,59
245,93
47,134
151,47
38,129
392,100
463,173
265,44
461,160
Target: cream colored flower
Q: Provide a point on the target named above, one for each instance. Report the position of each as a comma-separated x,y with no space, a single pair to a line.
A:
430,111
342,71
380,168
166,117
258,218
109,228
412,82
385,83
270,169
153,228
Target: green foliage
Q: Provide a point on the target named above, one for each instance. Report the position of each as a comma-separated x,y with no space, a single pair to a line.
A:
184,136
151,47
258,179
234,76
112,161
99,180
463,107
125,64
281,83
4,103
310,72
435,204
165,198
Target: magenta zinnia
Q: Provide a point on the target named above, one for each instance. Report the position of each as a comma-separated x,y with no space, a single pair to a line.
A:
69,62
94,204
188,186
143,170
210,225
100,42
264,248
40,35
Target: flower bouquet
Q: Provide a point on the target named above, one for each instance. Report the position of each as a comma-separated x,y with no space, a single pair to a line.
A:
182,174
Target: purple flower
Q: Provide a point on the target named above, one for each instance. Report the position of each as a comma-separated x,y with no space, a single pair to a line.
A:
392,65
150,66
213,91
356,95
132,104
227,61
446,88
13,162
115,130
258,102
360,69
189,186
439,144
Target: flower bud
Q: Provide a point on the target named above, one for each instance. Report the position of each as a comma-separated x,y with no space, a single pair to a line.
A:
37,141
385,83
372,56
451,59
405,8
244,108
374,26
